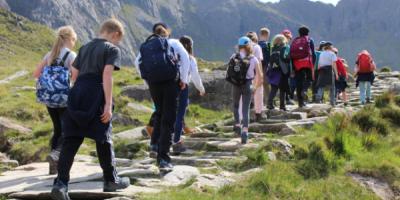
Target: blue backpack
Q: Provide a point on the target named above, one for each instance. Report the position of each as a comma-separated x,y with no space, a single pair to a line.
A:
157,62
53,85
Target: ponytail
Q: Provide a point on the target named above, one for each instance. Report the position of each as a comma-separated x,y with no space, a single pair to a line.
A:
64,34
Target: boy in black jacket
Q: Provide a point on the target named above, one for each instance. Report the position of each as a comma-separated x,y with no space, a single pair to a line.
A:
89,111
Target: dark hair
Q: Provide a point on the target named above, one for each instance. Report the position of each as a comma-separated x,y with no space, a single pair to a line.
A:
303,31
187,42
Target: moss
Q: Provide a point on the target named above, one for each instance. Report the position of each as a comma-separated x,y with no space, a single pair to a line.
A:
386,69
129,150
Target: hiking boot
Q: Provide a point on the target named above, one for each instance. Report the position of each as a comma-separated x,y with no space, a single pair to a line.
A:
153,151
165,166
52,158
120,184
283,109
369,101
289,102
178,148
270,107
237,130
188,131
59,191
244,136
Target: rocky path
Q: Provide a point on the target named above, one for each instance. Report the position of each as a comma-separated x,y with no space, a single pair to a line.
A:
198,167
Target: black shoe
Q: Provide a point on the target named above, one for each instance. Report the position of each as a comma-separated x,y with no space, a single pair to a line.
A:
283,109
237,130
120,184
369,101
270,107
153,151
59,191
165,166
178,148
52,158
244,137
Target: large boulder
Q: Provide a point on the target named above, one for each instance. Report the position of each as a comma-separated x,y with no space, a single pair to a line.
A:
218,91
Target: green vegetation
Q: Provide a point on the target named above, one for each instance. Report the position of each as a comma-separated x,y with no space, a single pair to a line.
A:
321,161
22,45
386,69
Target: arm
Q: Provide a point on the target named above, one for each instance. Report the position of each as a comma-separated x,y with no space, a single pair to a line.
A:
259,74
39,68
196,77
74,73
137,63
107,87
184,63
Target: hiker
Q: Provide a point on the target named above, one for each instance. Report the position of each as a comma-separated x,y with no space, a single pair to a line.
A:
90,106
259,92
177,146
314,83
164,64
292,81
278,71
243,68
365,67
341,83
302,54
327,73
265,47
56,67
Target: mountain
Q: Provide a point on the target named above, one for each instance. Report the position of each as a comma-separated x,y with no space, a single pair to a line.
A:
352,25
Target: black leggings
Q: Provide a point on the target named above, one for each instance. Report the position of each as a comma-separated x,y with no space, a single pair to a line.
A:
56,117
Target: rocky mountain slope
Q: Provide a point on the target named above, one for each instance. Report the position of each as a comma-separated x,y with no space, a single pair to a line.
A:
215,25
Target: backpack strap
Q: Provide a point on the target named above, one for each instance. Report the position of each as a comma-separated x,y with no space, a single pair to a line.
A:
65,57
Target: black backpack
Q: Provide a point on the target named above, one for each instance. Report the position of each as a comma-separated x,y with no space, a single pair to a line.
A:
157,62
266,50
237,70
277,60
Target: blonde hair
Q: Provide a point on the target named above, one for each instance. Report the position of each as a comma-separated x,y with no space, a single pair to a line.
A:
161,31
64,34
264,31
248,48
279,40
112,25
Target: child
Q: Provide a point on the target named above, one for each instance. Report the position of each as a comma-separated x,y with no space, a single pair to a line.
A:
341,83
165,78
302,53
327,73
242,87
266,48
259,92
365,67
61,54
194,75
278,71
89,110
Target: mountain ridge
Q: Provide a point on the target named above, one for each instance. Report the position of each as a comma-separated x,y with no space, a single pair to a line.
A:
352,25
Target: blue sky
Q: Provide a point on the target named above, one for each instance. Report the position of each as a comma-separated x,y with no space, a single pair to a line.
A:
334,2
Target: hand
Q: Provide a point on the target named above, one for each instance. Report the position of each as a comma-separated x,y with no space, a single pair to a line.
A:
202,94
337,77
292,74
107,114
182,85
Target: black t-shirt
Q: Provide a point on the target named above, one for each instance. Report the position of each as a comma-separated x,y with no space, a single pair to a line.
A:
95,55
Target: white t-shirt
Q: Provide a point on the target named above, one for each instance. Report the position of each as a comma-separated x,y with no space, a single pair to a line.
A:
258,52
194,75
70,59
327,58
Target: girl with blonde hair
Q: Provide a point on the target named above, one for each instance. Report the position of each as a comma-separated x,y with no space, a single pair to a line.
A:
61,55
278,71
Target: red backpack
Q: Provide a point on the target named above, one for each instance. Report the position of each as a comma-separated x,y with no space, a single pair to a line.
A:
300,48
365,61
